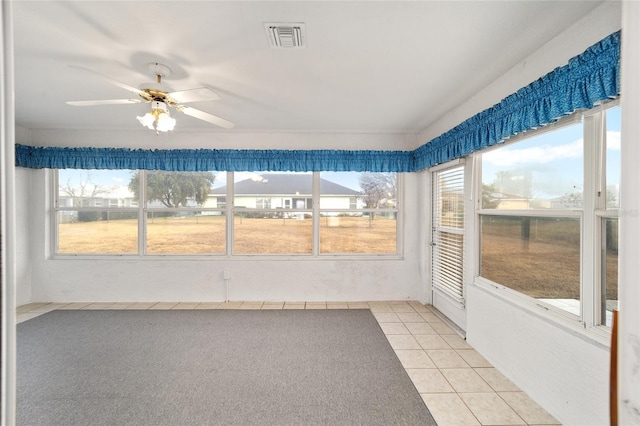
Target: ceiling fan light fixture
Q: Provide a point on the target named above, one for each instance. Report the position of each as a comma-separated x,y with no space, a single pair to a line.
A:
165,123
147,120
158,119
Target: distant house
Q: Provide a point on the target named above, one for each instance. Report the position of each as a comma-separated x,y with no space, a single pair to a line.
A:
504,201
285,191
118,196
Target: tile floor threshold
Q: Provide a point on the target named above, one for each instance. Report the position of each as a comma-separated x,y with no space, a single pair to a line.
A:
457,384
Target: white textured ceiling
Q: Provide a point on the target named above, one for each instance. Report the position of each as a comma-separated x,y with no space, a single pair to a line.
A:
372,67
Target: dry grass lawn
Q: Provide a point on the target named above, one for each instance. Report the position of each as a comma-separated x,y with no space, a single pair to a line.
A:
545,265
206,235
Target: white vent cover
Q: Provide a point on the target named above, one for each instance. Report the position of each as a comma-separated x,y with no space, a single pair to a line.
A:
285,35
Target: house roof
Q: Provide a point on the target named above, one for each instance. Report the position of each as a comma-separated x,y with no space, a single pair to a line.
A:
285,184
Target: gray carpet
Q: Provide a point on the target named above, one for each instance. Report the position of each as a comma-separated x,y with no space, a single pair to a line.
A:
227,367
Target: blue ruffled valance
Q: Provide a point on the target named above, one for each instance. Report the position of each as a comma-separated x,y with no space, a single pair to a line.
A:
587,79
212,159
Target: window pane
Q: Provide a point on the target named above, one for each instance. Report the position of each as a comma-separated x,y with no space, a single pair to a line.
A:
609,292
95,188
448,198
536,256
171,233
543,172
260,190
175,189
613,158
264,232
373,233
97,232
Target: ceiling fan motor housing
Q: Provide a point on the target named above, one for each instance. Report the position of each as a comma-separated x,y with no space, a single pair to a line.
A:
159,107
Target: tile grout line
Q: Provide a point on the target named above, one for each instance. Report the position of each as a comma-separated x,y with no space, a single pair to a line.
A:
439,369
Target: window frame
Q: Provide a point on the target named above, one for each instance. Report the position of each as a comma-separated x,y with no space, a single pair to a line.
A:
56,209
228,210
591,217
318,213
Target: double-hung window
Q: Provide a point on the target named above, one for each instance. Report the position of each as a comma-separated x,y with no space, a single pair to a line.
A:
548,209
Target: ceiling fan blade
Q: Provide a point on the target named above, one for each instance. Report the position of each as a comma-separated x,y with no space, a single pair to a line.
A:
194,95
206,117
110,80
105,102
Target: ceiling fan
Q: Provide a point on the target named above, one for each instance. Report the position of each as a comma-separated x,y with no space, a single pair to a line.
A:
161,98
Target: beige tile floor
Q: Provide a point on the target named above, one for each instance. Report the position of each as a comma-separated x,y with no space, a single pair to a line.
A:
457,384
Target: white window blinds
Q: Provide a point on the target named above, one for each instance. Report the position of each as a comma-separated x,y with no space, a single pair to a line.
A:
448,232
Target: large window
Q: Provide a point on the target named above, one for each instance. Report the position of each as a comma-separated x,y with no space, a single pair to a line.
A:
94,213
177,218
270,214
548,213
133,212
539,173
358,212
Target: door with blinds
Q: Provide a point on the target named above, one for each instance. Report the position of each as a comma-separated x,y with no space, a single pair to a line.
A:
447,243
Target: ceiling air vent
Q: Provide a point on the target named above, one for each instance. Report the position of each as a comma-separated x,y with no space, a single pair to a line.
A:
285,35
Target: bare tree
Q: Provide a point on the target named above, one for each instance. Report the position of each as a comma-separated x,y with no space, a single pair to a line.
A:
378,189
82,193
85,190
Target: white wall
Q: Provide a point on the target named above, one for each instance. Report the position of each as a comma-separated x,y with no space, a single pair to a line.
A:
562,369
257,278
423,195
23,235
144,139
629,330
23,225
600,23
